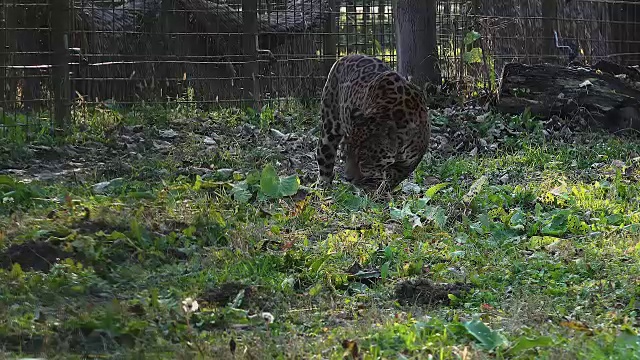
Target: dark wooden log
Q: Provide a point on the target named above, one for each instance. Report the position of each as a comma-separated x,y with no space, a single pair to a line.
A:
607,93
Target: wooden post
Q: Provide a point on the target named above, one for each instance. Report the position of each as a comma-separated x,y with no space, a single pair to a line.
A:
60,73
351,28
329,41
251,83
549,15
4,56
165,40
417,48
8,46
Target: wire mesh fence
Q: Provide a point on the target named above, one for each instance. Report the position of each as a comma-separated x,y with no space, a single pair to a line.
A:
57,55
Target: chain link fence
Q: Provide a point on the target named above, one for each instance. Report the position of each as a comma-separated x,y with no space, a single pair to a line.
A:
57,55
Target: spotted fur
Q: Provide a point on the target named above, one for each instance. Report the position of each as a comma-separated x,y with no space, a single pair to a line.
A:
381,119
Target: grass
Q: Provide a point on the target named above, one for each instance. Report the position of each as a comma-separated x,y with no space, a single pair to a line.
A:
528,252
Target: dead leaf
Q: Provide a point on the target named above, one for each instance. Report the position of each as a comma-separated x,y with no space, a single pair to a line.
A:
351,349
576,325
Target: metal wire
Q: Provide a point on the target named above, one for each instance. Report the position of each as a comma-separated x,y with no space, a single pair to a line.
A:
161,51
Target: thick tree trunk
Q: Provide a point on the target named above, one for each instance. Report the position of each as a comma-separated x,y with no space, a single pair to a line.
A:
608,93
416,40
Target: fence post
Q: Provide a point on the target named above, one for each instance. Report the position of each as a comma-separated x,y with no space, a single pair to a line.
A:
329,41
4,55
250,51
549,15
60,72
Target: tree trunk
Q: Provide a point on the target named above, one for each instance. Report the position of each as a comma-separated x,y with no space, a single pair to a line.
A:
416,41
608,93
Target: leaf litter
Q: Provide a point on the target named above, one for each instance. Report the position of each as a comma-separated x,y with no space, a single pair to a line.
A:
192,145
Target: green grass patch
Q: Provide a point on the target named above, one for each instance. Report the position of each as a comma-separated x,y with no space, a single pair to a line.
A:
187,233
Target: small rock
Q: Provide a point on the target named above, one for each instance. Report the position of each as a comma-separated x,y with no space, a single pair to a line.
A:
168,134
278,134
209,141
431,180
161,145
102,187
224,173
617,163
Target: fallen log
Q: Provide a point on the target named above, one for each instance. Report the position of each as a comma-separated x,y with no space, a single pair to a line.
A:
606,93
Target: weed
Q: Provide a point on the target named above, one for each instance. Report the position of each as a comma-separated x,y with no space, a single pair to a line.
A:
181,232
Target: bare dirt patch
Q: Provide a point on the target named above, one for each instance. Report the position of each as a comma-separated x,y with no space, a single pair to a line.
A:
38,256
426,292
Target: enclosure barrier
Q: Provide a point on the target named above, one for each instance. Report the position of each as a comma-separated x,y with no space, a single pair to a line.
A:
59,55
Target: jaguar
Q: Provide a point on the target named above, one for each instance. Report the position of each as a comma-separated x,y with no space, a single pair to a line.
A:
378,117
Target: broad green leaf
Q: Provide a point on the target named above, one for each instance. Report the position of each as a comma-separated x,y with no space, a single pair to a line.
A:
357,287
518,220
440,218
240,192
473,56
316,265
190,231
116,235
434,189
471,37
627,339
7,180
384,270
406,210
396,214
475,189
289,185
485,221
524,343
633,228
254,178
354,202
615,219
488,338
269,181
537,242
558,224
388,252
421,204
315,289
198,183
